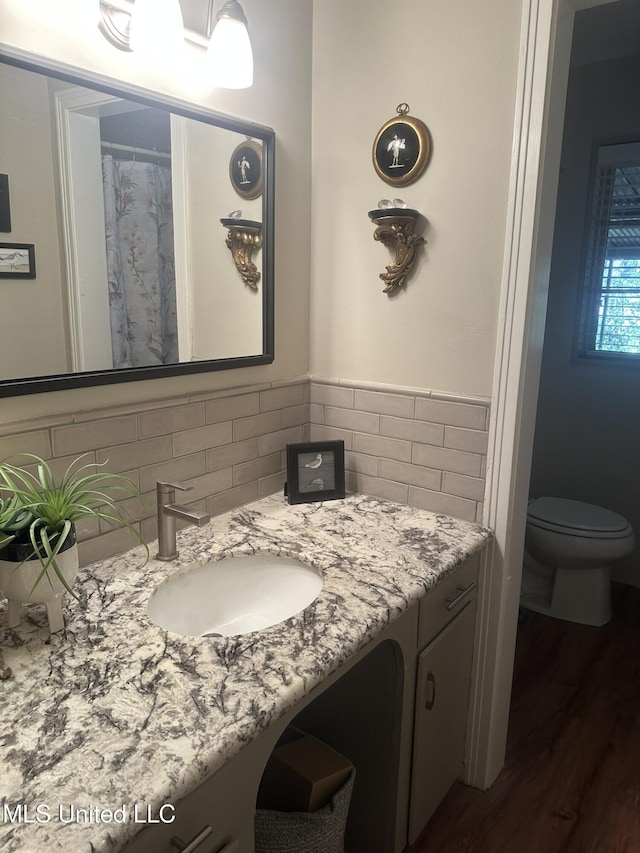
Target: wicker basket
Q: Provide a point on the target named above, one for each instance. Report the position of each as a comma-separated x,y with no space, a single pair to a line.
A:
321,831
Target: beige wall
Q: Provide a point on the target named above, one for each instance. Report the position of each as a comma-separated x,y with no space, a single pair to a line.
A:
25,155
433,341
440,332
280,98
455,64
216,289
588,421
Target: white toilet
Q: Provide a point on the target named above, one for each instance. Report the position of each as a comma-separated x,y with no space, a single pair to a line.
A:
568,549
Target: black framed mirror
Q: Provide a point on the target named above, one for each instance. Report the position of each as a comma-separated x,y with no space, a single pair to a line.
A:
121,192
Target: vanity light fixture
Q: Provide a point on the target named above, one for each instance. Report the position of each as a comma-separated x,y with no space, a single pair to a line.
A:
156,25
230,47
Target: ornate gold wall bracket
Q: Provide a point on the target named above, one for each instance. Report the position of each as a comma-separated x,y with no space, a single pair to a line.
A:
244,236
397,229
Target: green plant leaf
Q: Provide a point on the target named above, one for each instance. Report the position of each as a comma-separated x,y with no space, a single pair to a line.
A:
48,507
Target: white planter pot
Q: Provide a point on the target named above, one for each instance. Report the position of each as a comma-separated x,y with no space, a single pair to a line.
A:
17,580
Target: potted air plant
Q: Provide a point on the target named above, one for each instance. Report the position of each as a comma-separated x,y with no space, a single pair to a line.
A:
13,520
39,557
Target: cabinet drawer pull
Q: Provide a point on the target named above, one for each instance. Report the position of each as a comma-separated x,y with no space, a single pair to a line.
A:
431,682
191,846
462,593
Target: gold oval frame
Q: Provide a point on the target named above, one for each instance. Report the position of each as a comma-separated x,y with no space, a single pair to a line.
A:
418,161
254,190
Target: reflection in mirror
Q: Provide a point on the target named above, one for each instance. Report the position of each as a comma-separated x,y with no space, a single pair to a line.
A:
123,198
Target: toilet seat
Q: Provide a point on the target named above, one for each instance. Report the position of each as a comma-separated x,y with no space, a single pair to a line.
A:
576,518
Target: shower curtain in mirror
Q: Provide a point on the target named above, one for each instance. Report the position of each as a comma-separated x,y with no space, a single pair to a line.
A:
140,262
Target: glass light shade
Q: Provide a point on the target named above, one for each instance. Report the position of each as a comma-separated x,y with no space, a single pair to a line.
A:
231,56
156,27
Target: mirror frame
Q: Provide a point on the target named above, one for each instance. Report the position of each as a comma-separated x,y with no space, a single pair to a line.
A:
85,379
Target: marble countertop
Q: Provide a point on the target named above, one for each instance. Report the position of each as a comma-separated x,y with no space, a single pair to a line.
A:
115,711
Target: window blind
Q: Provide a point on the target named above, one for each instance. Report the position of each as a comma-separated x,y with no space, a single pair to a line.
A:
610,312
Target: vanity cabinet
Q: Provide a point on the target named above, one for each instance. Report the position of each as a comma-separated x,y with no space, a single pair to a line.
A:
204,823
217,815
365,711
397,710
443,681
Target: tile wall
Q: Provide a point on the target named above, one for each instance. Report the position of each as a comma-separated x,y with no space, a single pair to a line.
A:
228,447
416,447
411,446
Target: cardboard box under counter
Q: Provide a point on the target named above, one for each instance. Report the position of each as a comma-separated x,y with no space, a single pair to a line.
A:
302,775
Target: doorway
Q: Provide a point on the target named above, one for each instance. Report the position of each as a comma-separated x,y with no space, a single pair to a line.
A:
585,444
545,48
87,119
138,214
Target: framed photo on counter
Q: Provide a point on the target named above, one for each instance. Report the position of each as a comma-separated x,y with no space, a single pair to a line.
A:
315,471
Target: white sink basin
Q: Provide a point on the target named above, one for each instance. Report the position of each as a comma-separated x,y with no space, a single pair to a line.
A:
234,595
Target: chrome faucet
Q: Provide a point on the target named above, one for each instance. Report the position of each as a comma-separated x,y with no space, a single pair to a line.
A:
168,511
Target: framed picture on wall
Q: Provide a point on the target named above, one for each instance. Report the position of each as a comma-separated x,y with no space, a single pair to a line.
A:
401,149
245,169
17,260
5,208
315,471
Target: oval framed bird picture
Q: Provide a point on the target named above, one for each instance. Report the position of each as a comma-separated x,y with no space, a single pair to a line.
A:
315,471
401,149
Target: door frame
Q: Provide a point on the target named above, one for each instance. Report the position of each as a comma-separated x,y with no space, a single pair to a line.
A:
78,111
545,51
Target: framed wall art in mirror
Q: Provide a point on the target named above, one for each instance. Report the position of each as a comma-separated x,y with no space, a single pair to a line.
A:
17,260
5,207
245,169
123,191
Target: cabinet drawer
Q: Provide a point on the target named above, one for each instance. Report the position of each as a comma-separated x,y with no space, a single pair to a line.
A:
443,603
212,818
181,839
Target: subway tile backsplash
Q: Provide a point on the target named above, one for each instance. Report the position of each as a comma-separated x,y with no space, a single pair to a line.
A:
411,446
229,446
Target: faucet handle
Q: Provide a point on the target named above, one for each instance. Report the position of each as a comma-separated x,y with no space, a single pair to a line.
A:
165,487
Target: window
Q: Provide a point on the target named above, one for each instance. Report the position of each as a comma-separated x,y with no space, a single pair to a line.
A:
610,317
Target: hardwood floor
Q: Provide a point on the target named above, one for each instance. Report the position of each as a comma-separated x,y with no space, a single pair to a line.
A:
571,781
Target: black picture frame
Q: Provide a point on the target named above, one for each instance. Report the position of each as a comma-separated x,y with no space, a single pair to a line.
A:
315,472
17,260
245,169
5,207
401,150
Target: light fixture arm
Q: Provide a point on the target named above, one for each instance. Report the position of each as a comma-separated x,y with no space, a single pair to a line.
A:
226,40
115,18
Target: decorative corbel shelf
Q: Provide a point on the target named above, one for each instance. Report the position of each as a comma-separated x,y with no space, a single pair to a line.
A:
244,236
397,229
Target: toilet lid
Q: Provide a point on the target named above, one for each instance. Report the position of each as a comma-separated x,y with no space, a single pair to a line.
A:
576,515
